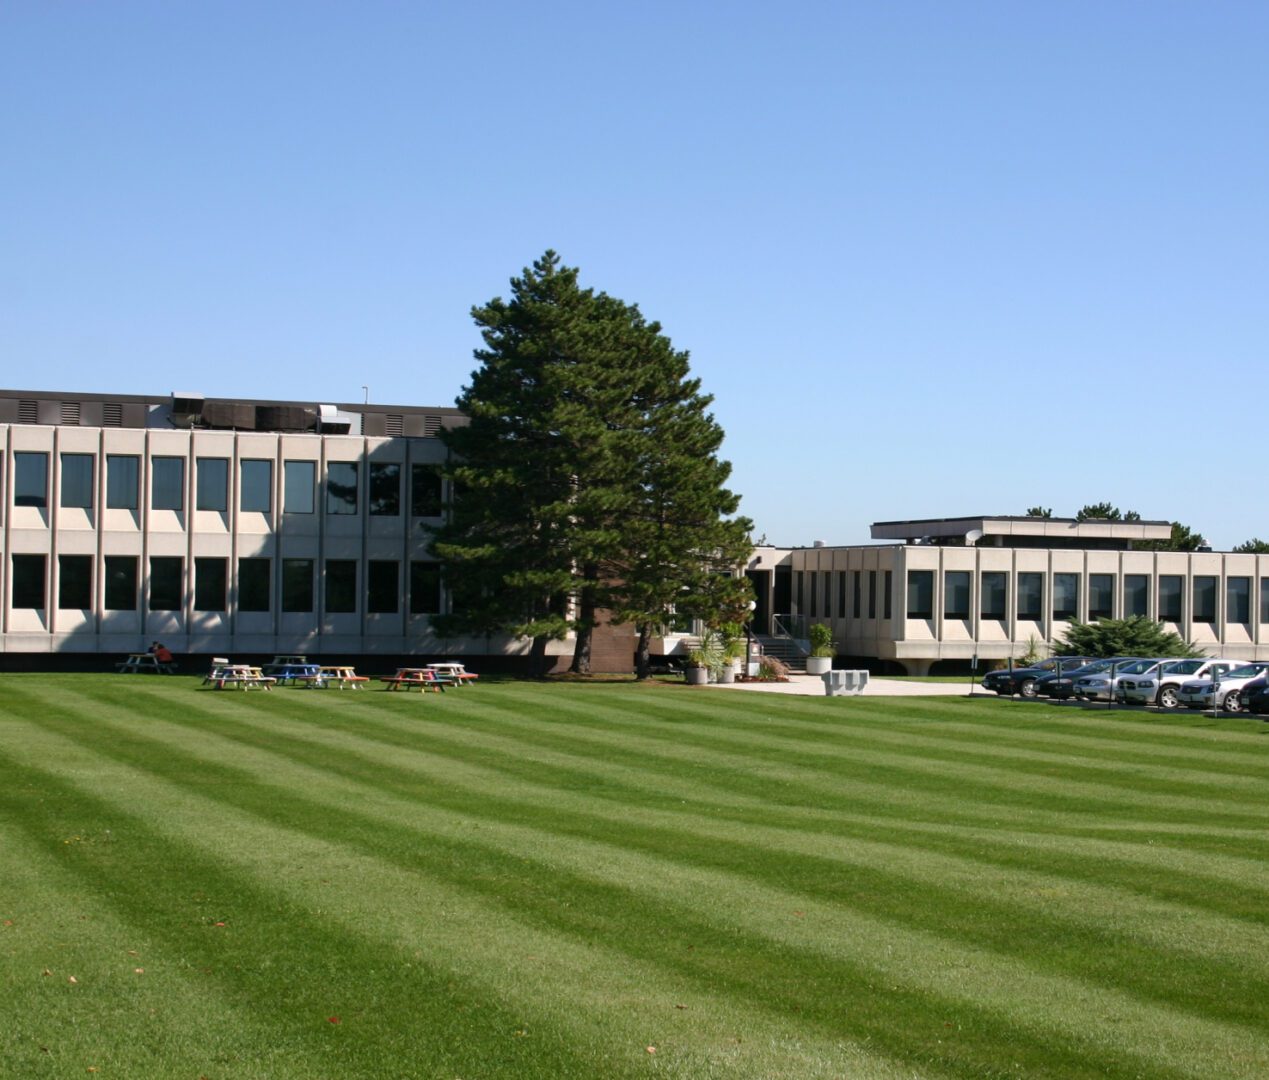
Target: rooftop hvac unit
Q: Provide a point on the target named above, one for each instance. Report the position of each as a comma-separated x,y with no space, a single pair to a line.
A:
186,408
333,422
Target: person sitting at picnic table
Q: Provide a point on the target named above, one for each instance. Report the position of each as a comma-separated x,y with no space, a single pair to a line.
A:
161,653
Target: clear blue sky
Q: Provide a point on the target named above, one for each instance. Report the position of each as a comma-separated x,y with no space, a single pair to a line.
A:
931,258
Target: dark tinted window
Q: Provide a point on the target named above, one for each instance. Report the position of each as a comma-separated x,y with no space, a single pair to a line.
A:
1031,596
341,487
253,584
211,584
385,489
381,588
213,486
995,594
425,491
256,479
121,583
956,594
298,478
297,583
425,588
77,481
165,583
28,581
920,594
123,473
30,480
341,585
168,483
75,581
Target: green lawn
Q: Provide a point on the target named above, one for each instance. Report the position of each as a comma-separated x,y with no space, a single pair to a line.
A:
529,880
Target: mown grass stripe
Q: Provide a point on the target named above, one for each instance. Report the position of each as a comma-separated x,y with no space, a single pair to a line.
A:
737,963
885,894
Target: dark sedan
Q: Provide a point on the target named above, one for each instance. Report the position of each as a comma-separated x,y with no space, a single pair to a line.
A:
1023,680
1059,685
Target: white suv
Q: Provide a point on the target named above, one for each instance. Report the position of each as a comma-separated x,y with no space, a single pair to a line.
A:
1160,687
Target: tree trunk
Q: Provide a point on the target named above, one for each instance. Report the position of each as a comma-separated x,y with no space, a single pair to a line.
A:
537,657
585,622
643,661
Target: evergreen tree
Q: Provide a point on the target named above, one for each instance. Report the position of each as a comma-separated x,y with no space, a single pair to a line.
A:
581,417
1254,546
1134,636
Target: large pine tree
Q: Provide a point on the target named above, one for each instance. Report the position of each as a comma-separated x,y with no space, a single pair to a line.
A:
587,443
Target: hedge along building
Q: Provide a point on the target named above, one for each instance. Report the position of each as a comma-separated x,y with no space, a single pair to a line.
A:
942,591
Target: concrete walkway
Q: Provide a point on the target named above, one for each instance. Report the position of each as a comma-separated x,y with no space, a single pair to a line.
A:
813,686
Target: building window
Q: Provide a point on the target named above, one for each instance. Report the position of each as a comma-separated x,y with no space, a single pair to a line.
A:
956,594
255,494
1066,596
297,582
341,585
1238,600
1204,599
123,475
341,487
77,481
165,583
841,593
253,584
75,582
121,583
828,594
872,594
30,480
1101,596
1264,599
425,491
920,594
211,584
298,479
28,581
995,598
856,594
385,489
168,478
213,486
1171,591
382,586
887,605
1031,596
1136,595
797,592
425,588
811,583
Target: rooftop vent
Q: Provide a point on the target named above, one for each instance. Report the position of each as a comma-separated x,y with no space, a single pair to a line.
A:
333,422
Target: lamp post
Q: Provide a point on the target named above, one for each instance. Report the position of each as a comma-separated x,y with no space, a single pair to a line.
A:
753,606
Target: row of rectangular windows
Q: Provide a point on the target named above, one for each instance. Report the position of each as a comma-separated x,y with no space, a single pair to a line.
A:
994,596
1101,596
253,586
211,489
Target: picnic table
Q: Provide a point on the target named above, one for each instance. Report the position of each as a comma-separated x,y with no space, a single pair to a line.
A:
283,660
143,661
455,671
341,675
421,679
294,674
239,677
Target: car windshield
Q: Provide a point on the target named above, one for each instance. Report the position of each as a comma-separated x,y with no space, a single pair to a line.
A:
1183,667
1249,671
1137,667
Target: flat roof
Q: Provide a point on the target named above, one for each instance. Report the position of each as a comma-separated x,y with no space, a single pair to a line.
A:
1014,525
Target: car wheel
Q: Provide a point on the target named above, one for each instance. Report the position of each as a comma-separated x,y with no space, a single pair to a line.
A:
1027,689
1233,703
1167,698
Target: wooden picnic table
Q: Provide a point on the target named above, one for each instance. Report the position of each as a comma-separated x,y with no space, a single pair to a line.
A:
420,679
341,675
239,677
455,671
144,662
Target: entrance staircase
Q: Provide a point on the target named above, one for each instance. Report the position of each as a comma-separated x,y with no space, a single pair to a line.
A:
784,649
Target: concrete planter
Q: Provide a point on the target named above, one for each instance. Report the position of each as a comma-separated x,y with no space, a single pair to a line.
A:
697,676
818,665
727,674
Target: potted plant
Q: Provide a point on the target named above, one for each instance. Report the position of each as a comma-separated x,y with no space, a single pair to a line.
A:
822,651
733,649
697,672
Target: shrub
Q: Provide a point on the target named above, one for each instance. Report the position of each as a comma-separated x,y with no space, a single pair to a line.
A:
821,640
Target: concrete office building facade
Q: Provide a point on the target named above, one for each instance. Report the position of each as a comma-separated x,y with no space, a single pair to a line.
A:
943,591
220,526
255,527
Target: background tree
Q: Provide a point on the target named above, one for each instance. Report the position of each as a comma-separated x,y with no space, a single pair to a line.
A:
1254,546
1134,636
585,436
1040,512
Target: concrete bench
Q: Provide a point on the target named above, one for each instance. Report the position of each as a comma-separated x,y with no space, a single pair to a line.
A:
844,682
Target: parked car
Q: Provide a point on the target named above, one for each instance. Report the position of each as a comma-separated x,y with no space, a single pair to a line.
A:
1160,687
1023,680
1060,685
1104,685
1254,697
1198,694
